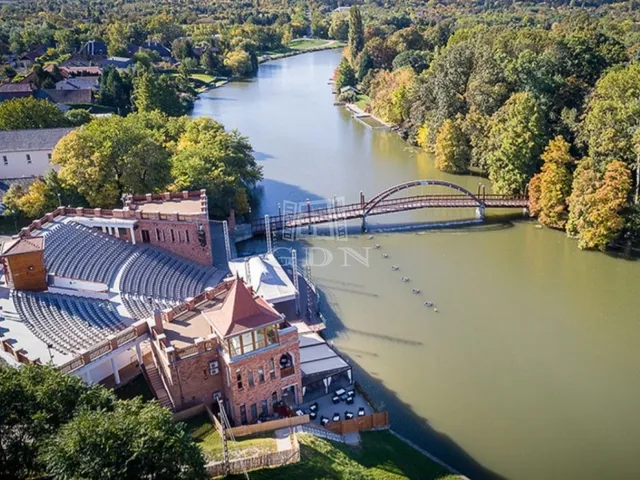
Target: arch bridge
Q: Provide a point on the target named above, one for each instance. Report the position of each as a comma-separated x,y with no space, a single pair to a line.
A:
314,213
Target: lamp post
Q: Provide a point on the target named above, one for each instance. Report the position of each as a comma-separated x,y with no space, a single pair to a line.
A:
49,347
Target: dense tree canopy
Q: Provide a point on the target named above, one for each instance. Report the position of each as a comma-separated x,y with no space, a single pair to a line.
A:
28,112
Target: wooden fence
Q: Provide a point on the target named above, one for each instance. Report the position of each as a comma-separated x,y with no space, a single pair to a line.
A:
244,430
359,424
268,460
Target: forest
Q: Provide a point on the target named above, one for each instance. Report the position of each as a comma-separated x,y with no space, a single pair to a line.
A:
542,100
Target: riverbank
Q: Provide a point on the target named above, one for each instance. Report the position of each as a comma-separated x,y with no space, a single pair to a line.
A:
381,456
300,48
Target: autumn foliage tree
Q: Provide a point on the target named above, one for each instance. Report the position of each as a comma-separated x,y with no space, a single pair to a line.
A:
452,148
596,205
549,189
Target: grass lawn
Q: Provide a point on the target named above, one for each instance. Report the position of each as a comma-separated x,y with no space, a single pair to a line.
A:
136,387
304,43
209,440
380,457
203,77
363,101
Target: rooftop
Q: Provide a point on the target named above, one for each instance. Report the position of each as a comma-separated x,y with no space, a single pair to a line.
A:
185,328
23,245
31,139
266,276
189,206
16,87
241,310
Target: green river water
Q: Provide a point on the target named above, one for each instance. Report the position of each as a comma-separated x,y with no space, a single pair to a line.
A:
529,369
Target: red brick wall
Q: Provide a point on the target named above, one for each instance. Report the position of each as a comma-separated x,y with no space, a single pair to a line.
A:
263,391
192,376
179,245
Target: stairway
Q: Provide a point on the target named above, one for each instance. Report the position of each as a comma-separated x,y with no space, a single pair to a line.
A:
157,386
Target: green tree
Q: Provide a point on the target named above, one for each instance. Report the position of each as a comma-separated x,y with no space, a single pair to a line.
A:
356,32
344,75
157,92
182,48
339,28
365,64
613,117
112,156
239,63
77,117
134,440
222,162
452,148
115,90
211,62
515,140
34,402
118,37
27,112
554,184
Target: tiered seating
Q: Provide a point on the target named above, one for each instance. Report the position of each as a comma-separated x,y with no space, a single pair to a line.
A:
141,308
69,324
156,273
75,251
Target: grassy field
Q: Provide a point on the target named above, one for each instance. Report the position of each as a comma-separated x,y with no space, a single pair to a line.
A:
209,440
380,457
306,43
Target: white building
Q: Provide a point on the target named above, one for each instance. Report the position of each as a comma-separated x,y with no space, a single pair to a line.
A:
26,153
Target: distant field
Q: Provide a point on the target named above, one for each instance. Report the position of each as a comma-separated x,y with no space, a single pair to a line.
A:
305,43
203,77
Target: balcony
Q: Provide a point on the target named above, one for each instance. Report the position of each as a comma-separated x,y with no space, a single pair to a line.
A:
287,371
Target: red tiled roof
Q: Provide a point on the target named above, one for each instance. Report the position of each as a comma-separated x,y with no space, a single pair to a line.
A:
241,311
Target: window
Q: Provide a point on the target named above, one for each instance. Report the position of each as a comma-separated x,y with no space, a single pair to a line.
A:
157,234
274,398
259,335
272,369
264,407
272,336
49,156
243,415
213,368
247,342
186,234
251,382
235,346
254,412
173,236
239,379
145,236
28,158
261,375
5,160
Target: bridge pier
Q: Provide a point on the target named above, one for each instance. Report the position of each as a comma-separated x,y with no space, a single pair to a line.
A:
480,211
363,228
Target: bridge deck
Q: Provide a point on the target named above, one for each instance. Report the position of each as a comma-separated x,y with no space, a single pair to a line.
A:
314,216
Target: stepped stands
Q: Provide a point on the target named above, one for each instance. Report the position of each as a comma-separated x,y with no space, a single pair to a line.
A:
141,308
153,272
75,251
69,324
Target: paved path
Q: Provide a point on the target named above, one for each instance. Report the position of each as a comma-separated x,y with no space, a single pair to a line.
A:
282,439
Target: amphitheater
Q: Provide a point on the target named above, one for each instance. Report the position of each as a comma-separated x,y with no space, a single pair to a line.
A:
81,282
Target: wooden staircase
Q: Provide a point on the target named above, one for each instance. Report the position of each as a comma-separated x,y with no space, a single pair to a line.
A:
157,385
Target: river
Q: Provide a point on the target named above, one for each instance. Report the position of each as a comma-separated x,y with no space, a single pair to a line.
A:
529,369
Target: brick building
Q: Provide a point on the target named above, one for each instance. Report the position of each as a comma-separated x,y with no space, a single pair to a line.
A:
232,343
